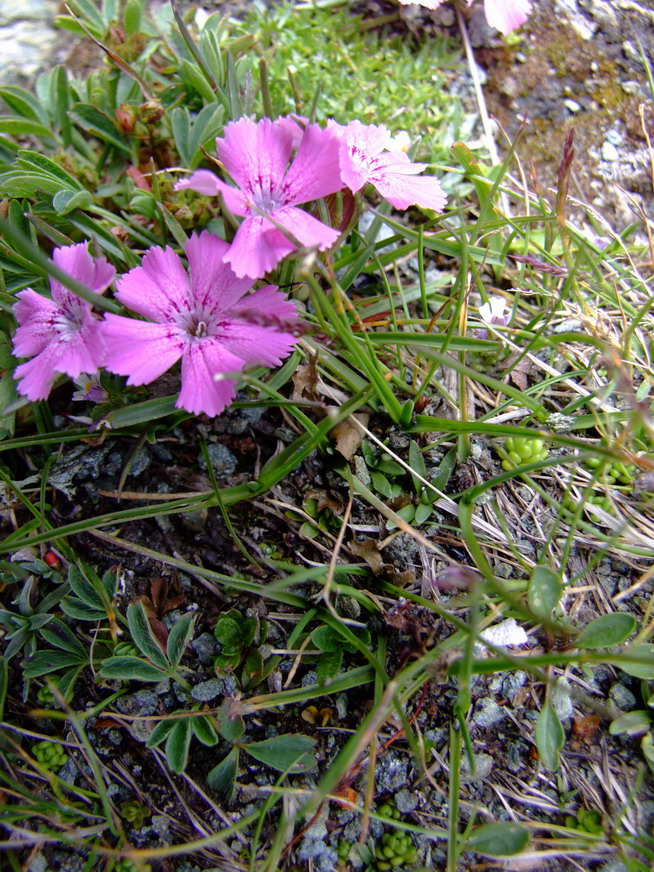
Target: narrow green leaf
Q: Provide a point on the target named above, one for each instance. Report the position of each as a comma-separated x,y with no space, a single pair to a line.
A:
143,413
417,464
35,162
144,638
498,839
160,732
180,121
179,637
132,17
44,662
99,124
61,101
229,721
24,127
130,669
23,103
632,723
4,685
192,76
291,752
75,608
549,737
64,202
83,588
544,591
222,777
637,660
328,666
606,631
177,745
58,634
204,730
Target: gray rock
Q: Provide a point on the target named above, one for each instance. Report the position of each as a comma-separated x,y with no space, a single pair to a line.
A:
391,773
324,857
561,699
206,647
223,460
38,864
512,684
208,690
141,703
407,800
487,712
140,463
610,152
483,767
623,697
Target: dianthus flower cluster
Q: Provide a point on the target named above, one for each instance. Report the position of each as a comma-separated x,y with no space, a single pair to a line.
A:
503,15
210,317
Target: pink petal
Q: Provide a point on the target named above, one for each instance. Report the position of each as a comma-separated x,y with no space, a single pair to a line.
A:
305,228
506,15
83,350
213,281
315,172
255,153
35,377
268,304
35,315
295,124
206,182
371,139
76,261
256,344
403,191
140,350
200,391
257,248
428,4
159,288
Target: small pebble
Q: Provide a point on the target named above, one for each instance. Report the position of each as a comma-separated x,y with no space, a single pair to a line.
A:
610,152
487,713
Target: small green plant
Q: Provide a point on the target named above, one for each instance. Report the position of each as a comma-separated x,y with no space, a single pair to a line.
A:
523,449
586,820
49,754
157,662
134,813
243,651
613,472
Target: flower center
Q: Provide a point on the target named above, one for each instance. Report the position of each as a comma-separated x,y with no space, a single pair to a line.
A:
69,321
197,324
262,196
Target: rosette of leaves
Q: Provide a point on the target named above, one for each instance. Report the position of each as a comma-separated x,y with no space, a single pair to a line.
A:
242,639
155,662
66,652
50,755
611,473
388,478
178,730
522,450
333,644
290,753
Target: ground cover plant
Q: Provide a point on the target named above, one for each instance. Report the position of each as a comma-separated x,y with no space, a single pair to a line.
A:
327,467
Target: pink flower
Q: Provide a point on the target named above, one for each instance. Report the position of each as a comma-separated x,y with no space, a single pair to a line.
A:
366,157
269,189
506,15
60,334
204,319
